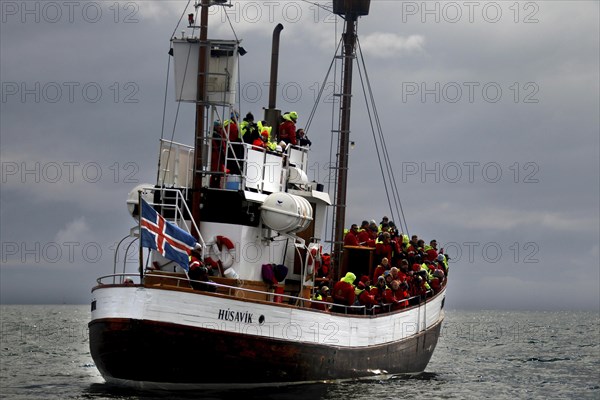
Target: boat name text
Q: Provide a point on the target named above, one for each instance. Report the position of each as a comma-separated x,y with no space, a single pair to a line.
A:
237,316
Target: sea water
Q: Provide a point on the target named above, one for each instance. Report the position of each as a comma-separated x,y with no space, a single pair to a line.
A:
481,354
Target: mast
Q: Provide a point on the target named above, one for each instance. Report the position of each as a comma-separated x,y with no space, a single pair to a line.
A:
350,10
200,108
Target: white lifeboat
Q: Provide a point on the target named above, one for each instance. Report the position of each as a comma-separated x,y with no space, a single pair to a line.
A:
287,213
133,198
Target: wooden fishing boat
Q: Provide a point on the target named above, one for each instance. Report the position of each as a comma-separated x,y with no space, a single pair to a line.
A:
252,212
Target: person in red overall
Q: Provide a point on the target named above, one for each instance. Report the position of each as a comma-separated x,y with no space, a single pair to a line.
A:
378,290
231,126
431,252
365,298
198,273
381,268
385,249
261,142
401,294
217,154
388,297
287,129
343,292
350,239
363,233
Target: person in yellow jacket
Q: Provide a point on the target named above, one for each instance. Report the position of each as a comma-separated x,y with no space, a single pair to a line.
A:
262,127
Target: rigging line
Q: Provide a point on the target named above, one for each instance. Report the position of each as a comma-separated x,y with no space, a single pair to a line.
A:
369,114
239,80
379,130
381,137
384,150
334,64
331,141
162,132
321,90
162,129
378,121
318,5
180,18
178,108
330,163
393,178
231,25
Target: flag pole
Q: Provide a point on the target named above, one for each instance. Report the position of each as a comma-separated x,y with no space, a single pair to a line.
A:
140,236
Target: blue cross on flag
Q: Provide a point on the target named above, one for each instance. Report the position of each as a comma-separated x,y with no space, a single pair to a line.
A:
168,239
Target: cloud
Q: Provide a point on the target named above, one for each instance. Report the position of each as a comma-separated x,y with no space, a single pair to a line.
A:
74,231
390,45
68,165
496,218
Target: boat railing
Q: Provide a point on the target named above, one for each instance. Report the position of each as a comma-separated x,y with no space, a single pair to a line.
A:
130,279
176,165
244,166
174,208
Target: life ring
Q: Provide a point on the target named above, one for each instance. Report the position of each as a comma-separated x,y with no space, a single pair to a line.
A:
226,258
315,255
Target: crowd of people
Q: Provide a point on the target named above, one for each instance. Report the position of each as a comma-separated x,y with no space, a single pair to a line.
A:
406,270
258,134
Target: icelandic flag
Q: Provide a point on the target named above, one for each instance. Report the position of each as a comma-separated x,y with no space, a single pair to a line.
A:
168,239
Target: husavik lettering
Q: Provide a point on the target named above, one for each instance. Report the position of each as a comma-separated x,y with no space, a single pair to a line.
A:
237,316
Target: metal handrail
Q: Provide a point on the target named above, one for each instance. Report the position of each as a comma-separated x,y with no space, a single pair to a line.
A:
346,308
179,199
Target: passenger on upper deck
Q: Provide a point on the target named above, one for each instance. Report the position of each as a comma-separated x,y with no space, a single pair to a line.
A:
343,291
350,239
231,126
198,273
363,233
383,228
401,293
386,248
261,142
381,268
320,295
217,154
303,140
248,129
378,290
384,220
287,129
431,250
365,298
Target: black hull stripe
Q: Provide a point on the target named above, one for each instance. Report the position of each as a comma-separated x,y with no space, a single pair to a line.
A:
128,350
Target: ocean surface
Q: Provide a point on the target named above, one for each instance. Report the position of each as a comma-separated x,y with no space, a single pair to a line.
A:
482,354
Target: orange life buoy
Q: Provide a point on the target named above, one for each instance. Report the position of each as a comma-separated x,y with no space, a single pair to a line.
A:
224,249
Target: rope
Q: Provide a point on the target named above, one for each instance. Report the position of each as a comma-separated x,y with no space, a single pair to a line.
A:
387,160
178,103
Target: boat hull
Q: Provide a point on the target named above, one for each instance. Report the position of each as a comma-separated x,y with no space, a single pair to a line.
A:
127,350
163,338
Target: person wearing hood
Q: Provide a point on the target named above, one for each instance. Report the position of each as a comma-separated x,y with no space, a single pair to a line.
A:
363,292
248,129
343,291
320,295
287,129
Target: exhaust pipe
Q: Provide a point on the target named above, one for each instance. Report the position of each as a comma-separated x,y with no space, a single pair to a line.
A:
272,114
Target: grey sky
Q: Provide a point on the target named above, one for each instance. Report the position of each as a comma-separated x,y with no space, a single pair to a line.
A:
490,109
